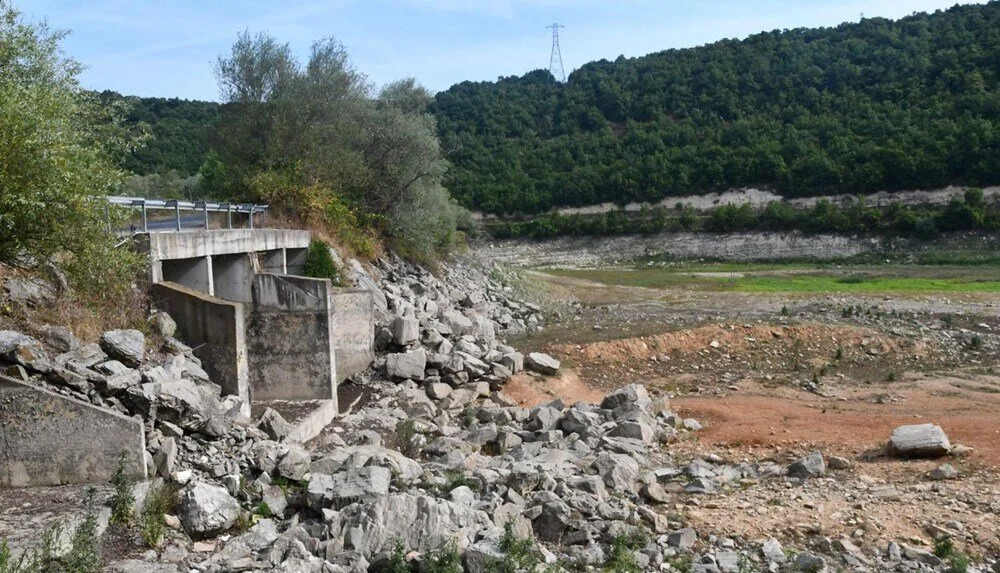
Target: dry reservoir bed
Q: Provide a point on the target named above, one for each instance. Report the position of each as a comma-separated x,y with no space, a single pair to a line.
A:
776,371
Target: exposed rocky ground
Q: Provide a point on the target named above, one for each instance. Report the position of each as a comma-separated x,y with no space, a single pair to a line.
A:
435,466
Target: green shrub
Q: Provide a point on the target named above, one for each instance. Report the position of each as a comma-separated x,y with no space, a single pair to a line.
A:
122,502
444,559
159,502
621,558
320,264
944,547
519,555
958,563
405,438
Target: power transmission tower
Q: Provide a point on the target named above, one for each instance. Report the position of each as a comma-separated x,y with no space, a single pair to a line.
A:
555,60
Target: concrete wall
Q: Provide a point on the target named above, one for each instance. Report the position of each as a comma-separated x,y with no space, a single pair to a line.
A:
232,277
47,439
216,329
272,261
290,340
353,331
194,273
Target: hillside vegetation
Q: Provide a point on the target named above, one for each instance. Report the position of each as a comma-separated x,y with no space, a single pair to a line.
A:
875,105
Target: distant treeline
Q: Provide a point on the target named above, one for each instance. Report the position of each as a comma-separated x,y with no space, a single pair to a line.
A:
971,212
862,107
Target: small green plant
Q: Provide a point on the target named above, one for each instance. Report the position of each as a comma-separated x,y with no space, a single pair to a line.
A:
457,478
891,377
468,417
784,310
839,354
263,510
405,438
444,559
958,563
948,320
159,501
681,563
319,263
621,557
976,342
944,547
85,552
397,560
519,555
123,501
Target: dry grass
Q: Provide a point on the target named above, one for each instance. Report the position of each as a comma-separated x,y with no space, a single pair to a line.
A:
86,319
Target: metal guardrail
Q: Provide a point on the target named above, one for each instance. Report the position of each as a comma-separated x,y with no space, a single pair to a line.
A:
175,205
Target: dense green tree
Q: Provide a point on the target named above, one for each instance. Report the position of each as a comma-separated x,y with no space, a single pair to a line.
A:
58,152
862,107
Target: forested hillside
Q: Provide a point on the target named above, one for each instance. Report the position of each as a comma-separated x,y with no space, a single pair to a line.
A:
179,132
875,105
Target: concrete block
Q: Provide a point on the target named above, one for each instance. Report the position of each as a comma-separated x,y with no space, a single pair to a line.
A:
49,439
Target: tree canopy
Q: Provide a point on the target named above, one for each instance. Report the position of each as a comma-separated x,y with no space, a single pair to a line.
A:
862,107
59,149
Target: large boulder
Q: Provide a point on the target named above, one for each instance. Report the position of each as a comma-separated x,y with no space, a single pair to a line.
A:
632,394
207,510
22,349
542,363
274,425
347,487
459,324
369,455
415,521
919,441
405,330
409,364
126,346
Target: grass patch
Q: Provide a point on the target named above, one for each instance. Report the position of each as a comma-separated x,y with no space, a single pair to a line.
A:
792,280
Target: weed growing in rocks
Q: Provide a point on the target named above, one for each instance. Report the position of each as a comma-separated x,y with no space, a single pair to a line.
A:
444,559
621,558
519,555
405,438
123,502
958,563
159,502
397,560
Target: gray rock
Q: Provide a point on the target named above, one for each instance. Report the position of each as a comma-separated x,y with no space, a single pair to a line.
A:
542,363
438,390
514,361
347,487
163,324
727,561
29,292
919,440
294,465
618,471
274,425
810,466
809,562
409,364
682,538
635,430
773,551
360,456
126,346
275,499
207,509
943,472
921,556
405,330
416,521
165,458
24,350
631,394
459,324
59,338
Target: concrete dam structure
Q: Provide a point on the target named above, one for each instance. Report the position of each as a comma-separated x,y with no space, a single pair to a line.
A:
263,331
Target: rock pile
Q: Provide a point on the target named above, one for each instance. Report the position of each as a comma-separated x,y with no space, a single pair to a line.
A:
448,331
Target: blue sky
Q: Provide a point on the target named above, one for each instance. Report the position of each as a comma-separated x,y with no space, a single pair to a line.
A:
168,47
